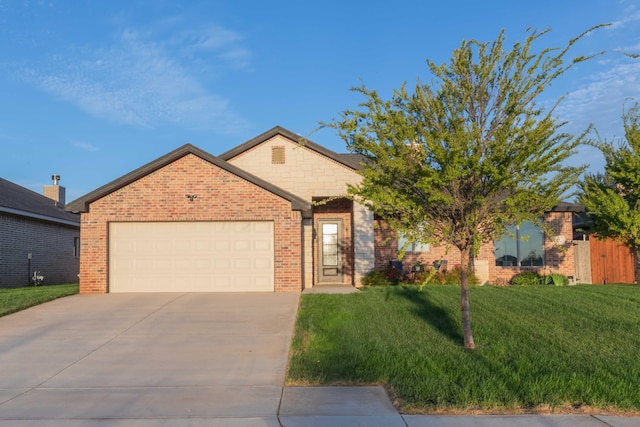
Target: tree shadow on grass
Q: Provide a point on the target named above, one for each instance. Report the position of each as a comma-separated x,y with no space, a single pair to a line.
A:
436,316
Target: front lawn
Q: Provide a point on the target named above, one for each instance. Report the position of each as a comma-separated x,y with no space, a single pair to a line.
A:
16,299
539,349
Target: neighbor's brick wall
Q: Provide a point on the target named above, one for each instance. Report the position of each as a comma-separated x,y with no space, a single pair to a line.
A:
559,258
50,244
160,196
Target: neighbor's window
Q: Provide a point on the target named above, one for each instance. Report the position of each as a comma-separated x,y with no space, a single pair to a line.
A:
277,155
412,246
76,246
520,246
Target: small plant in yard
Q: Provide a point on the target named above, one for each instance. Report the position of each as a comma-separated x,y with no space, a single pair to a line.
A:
376,278
558,279
453,277
500,282
395,275
528,278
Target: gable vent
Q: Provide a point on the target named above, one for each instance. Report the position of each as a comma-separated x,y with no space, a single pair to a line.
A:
277,155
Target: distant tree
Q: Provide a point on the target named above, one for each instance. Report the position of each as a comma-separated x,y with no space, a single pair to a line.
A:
459,159
612,198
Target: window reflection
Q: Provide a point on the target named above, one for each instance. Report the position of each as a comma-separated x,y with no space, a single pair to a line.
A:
520,246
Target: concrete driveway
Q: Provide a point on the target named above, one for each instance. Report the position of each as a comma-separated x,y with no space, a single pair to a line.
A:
146,360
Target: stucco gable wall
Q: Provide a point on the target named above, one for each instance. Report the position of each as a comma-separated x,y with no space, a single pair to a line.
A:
304,173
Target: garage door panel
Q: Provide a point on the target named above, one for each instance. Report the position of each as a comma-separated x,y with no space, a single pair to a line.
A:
242,245
191,257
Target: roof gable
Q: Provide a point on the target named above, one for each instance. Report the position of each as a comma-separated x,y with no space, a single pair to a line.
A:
82,204
18,200
350,160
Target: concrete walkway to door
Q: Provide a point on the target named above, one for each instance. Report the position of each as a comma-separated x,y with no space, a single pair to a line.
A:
146,360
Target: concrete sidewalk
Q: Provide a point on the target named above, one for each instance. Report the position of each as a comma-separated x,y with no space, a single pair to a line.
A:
370,406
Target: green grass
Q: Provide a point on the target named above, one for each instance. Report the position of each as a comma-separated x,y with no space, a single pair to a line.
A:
12,300
539,349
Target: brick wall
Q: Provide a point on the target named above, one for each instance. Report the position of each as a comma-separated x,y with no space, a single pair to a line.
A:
386,244
558,255
160,196
50,244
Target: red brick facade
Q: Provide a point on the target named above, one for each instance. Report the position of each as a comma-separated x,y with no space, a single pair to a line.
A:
558,255
160,196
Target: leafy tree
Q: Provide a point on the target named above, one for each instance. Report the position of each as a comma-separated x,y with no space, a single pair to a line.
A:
612,199
461,158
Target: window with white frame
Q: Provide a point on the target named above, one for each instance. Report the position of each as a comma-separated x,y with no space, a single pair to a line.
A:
411,246
520,246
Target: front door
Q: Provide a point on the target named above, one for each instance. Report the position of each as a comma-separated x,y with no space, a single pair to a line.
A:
330,251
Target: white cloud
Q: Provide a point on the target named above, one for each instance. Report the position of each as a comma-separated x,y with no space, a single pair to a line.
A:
86,146
600,100
142,82
631,14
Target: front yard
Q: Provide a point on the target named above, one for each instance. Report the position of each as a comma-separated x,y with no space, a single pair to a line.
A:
539,349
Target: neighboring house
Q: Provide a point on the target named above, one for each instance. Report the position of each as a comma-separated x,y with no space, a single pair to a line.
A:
37,234
268,215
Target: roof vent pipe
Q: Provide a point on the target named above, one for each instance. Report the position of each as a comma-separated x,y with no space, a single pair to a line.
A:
55,179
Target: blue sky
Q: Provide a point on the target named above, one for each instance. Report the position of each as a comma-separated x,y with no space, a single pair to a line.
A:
91,90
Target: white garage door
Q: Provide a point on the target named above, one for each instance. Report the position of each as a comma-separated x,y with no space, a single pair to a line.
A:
191,256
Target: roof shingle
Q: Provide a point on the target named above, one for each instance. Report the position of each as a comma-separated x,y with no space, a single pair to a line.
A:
16,199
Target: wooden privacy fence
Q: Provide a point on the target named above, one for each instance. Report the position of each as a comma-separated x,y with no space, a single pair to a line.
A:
611,262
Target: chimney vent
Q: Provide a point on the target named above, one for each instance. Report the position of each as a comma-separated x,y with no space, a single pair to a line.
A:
55,192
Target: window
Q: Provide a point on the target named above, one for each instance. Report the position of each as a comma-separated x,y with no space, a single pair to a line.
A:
412,246
277,155
520,246
76,247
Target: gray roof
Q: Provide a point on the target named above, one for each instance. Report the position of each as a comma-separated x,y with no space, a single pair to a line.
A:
82,204
567,207
18,200
350,160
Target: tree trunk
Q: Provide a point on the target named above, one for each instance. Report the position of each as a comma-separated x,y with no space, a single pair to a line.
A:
465,266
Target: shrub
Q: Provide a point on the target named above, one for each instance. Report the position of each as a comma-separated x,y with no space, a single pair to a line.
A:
375,278
452,277
384,277
500,282
448,277
527,278
558,279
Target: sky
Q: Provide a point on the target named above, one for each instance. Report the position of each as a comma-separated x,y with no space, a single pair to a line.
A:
91,90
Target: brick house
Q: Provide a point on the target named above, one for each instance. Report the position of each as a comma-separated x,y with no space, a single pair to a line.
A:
37,234
524,249
268,215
